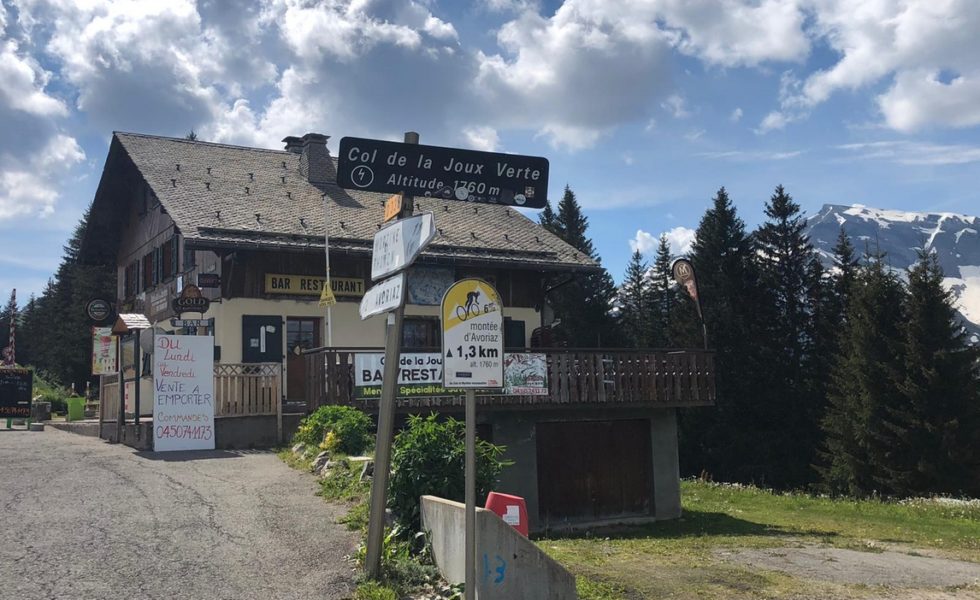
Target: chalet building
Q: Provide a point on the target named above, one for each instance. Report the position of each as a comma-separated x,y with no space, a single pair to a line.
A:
248,226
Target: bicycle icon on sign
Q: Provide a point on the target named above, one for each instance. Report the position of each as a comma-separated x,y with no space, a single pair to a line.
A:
472,307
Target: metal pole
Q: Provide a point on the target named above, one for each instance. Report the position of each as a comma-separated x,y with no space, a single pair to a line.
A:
386,421
121,417
137,367
470,541
326,255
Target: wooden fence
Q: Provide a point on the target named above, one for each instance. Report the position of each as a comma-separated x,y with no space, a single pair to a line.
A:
240,390
575,376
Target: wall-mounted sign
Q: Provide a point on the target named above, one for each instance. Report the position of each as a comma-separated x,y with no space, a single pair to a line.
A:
183,392
397,245
16,391
384,296
448,173
312,285
472,335
420,375
104,351
191,300
191,322
99,311
208,280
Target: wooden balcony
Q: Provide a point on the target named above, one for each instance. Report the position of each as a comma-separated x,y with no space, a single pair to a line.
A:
575,377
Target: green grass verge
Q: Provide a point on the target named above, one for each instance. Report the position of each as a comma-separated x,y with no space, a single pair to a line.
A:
679,559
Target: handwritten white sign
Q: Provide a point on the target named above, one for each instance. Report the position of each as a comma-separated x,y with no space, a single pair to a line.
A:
183,393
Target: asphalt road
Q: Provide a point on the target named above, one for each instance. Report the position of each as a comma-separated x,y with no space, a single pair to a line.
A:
83,519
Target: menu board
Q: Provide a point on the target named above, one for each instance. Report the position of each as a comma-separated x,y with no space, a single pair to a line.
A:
16,389
183,392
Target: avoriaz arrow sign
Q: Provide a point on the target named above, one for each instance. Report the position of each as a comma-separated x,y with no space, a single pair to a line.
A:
385,296
399,244
447,173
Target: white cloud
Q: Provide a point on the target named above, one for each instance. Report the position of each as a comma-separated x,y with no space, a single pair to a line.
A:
736,32
482,138
24,82
751,155
909,42
736,115
918,99
915,153
643,241
694,135
674,104
628,159
30,187
680,239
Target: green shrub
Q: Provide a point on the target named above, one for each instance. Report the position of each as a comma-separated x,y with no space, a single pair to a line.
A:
371,590
429,457
336,428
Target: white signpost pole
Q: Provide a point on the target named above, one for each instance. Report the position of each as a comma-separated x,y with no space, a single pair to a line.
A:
473,358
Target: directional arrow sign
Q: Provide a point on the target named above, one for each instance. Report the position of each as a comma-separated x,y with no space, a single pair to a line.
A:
397,245
384,296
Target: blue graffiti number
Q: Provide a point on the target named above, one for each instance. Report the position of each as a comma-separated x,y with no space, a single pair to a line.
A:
500,570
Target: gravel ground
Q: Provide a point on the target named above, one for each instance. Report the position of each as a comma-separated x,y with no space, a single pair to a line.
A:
83,519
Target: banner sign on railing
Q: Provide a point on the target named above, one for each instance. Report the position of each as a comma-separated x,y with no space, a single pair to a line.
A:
420,375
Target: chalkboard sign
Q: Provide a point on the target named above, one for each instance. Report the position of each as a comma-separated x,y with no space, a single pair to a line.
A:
16,388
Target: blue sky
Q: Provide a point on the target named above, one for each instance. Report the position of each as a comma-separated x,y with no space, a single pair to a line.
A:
644,107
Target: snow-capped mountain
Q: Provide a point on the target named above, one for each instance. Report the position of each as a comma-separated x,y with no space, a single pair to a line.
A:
899,234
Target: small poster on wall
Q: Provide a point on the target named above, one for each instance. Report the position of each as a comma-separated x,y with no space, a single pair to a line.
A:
183,393
103,351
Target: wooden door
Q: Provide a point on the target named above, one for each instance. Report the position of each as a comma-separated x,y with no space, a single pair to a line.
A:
302,333
590,470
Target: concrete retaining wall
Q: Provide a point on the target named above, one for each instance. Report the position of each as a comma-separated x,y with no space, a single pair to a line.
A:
508,565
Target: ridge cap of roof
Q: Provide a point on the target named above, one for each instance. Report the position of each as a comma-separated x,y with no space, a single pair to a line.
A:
198,142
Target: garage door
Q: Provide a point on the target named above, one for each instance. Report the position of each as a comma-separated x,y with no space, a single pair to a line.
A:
594,470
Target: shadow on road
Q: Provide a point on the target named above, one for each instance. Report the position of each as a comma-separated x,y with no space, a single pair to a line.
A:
185,455
693,523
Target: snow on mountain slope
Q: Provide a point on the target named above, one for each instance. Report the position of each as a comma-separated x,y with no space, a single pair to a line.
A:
900,235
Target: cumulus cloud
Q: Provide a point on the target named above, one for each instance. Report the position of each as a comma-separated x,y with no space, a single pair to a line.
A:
679,238
30,186
736,115
482,138
905,42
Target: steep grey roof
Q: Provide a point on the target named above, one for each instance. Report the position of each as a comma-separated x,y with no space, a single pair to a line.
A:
222,195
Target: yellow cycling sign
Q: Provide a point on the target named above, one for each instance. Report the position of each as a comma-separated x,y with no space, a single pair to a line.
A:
472,336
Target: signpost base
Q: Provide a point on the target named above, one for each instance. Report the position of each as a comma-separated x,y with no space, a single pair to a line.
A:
470,541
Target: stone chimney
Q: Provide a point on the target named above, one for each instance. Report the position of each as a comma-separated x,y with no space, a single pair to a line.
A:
314,160
293,144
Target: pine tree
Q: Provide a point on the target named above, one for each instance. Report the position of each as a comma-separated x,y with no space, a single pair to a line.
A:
792,281
845,266
9,311
864,385
547,218
583,306
662,295
935,431
728,440
28,333
635,302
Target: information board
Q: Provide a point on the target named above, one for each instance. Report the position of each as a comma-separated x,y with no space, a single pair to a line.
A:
448,173
472,336
16,390
183,392
104,351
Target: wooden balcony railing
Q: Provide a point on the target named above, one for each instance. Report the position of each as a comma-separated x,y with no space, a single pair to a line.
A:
663,378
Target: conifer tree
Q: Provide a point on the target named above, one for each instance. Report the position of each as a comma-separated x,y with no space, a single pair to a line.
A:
584,304
934,432
728,440
662,295
864,384
547,218
793,284
6,314
635,303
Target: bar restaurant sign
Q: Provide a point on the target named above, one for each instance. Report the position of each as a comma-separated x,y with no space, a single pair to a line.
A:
312,285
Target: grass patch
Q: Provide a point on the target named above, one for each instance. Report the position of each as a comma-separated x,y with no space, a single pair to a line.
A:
682,558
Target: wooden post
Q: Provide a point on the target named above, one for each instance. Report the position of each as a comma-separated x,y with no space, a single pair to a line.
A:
120,418
386,420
